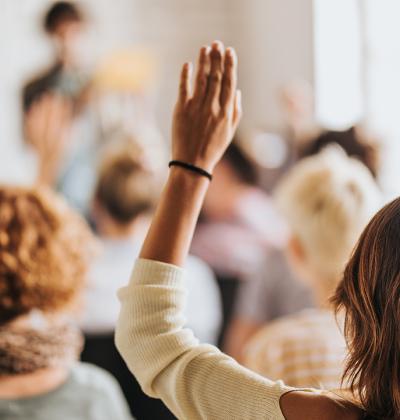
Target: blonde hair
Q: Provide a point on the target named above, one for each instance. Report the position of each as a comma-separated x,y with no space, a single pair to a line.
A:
126,187
327,200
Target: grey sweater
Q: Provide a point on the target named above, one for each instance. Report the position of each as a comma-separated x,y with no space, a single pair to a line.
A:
89,393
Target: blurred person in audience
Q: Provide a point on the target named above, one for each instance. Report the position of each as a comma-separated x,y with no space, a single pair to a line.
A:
64,23
44,254
327,200
234,208
58,101
270,291
234,232
127,189
303,136
355,141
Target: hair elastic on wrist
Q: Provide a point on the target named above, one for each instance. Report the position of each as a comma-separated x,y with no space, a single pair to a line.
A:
190,167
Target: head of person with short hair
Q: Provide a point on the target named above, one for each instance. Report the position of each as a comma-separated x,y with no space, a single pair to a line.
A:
126,190
64,22
45,250
327,200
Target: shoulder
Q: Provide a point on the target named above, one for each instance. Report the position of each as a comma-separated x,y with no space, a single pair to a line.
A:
92,378
297,330
301,405
38,85
98,392
285,326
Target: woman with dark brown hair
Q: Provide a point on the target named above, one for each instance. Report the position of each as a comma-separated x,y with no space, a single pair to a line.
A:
197,381
369,294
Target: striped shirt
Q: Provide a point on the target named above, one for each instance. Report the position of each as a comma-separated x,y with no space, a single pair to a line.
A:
304,350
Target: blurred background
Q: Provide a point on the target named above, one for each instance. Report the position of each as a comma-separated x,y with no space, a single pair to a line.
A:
87,91
344,52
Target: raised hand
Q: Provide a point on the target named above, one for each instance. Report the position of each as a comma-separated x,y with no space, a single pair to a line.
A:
206,118
203,126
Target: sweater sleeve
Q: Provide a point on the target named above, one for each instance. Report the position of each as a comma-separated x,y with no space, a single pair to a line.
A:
196,381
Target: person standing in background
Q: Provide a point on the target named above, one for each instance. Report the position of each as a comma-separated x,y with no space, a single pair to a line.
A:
64,23
233,234
58,124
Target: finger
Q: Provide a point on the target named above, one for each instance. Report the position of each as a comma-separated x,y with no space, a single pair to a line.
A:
229,80
203,68
215,77
237,109
184,85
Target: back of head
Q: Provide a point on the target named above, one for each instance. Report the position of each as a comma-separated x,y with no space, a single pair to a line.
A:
327,200
370,295
241,164
59,13
44,250
353,141
125,188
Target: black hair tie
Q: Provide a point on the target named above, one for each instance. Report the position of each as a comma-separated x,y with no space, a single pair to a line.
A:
190,167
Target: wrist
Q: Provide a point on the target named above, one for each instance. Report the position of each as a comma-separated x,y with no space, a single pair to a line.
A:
198,161
187,179
190,167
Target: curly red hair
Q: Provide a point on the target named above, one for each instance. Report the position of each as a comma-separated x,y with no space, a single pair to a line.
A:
44,251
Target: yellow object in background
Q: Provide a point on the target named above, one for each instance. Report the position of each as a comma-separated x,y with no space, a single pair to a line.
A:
130,70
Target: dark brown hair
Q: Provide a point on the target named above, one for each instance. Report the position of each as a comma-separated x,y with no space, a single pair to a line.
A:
242,166
60,12
44,252
352,142
370,295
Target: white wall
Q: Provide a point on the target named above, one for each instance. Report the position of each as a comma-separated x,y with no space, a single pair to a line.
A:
274,40
275,46
338,41
382,56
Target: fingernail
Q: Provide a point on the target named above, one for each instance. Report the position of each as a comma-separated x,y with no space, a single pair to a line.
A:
217,44
231,52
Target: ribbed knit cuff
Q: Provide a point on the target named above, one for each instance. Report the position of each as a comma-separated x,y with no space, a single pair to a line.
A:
155,272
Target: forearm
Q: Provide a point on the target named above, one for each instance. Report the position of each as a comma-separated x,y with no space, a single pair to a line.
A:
175,219
195,381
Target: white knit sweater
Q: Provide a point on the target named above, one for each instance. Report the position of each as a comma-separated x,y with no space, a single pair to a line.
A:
196,381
